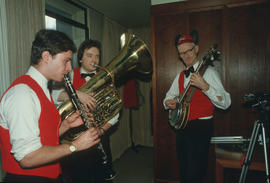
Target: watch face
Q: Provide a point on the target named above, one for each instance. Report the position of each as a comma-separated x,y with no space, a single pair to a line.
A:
72,148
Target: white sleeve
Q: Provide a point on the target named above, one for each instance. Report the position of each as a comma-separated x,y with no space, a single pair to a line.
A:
114,120
173,91
21,114
216,88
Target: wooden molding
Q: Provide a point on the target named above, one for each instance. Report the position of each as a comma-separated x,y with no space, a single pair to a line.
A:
233,5
196,6
165,181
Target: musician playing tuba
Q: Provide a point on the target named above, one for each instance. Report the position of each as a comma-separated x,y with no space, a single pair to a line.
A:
192,142
87,166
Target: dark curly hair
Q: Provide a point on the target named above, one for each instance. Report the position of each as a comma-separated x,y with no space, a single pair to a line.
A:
52,41
89,43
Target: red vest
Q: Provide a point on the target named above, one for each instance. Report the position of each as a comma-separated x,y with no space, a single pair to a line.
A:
200,105
49,122
77,80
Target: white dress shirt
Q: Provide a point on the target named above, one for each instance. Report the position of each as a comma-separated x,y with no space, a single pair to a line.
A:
216,88
19,113
56,93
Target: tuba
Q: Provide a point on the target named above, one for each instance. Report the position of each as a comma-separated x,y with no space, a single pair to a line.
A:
134,55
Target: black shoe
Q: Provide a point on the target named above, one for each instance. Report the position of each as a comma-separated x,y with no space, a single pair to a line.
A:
111,175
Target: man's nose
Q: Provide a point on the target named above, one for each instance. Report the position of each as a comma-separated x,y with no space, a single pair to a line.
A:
68,67
95,60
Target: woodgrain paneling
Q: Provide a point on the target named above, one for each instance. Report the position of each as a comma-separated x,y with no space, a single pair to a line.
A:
167,65
247,63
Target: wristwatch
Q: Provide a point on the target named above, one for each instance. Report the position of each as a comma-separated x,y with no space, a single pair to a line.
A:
72,148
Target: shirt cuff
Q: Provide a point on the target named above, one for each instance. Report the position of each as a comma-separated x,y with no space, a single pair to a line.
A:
114,120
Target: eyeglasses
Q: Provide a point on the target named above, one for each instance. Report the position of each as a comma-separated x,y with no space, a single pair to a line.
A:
186,52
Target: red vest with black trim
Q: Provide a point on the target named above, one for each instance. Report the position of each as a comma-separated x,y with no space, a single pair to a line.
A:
49,122
77,80
200,105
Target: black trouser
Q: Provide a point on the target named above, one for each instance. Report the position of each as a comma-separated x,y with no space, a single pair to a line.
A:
192,146
28,178
86,166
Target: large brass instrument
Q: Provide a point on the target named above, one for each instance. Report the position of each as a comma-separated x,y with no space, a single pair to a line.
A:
134,55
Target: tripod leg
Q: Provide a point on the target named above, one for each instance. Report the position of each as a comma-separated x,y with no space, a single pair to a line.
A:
265,154
249,153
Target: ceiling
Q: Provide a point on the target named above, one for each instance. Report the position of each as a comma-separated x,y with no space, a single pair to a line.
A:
128,13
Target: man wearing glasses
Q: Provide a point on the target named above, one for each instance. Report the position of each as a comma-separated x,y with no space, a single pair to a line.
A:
192,142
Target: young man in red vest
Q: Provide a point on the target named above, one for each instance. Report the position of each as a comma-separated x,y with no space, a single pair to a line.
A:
192,142
30,124
87,166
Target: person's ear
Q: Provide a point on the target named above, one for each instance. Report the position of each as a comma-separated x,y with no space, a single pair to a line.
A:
180,58
178,54
196,49
45,56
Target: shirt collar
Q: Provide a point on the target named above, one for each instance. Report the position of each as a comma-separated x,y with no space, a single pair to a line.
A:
195,66
39,78
82,71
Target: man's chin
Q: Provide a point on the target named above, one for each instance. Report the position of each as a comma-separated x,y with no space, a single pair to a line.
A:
188,64
59,79
92,69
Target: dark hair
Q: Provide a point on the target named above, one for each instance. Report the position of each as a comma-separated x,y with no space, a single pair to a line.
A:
195,36
176,40
52,41
89,43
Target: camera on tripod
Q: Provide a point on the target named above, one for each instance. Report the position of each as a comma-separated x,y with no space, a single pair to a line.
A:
260,101
257,100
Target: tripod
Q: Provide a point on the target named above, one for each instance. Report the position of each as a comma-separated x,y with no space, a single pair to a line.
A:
258,129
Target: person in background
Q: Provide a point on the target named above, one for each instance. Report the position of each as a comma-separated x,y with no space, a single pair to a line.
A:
30,124
87,165
192,142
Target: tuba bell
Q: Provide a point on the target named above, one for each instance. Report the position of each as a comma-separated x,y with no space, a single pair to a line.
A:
134,55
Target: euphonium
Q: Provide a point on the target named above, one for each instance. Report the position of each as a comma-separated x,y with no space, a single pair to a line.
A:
134,55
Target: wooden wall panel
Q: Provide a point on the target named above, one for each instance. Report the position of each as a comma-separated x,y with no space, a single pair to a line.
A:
242,32
247,59
208,24
167,65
